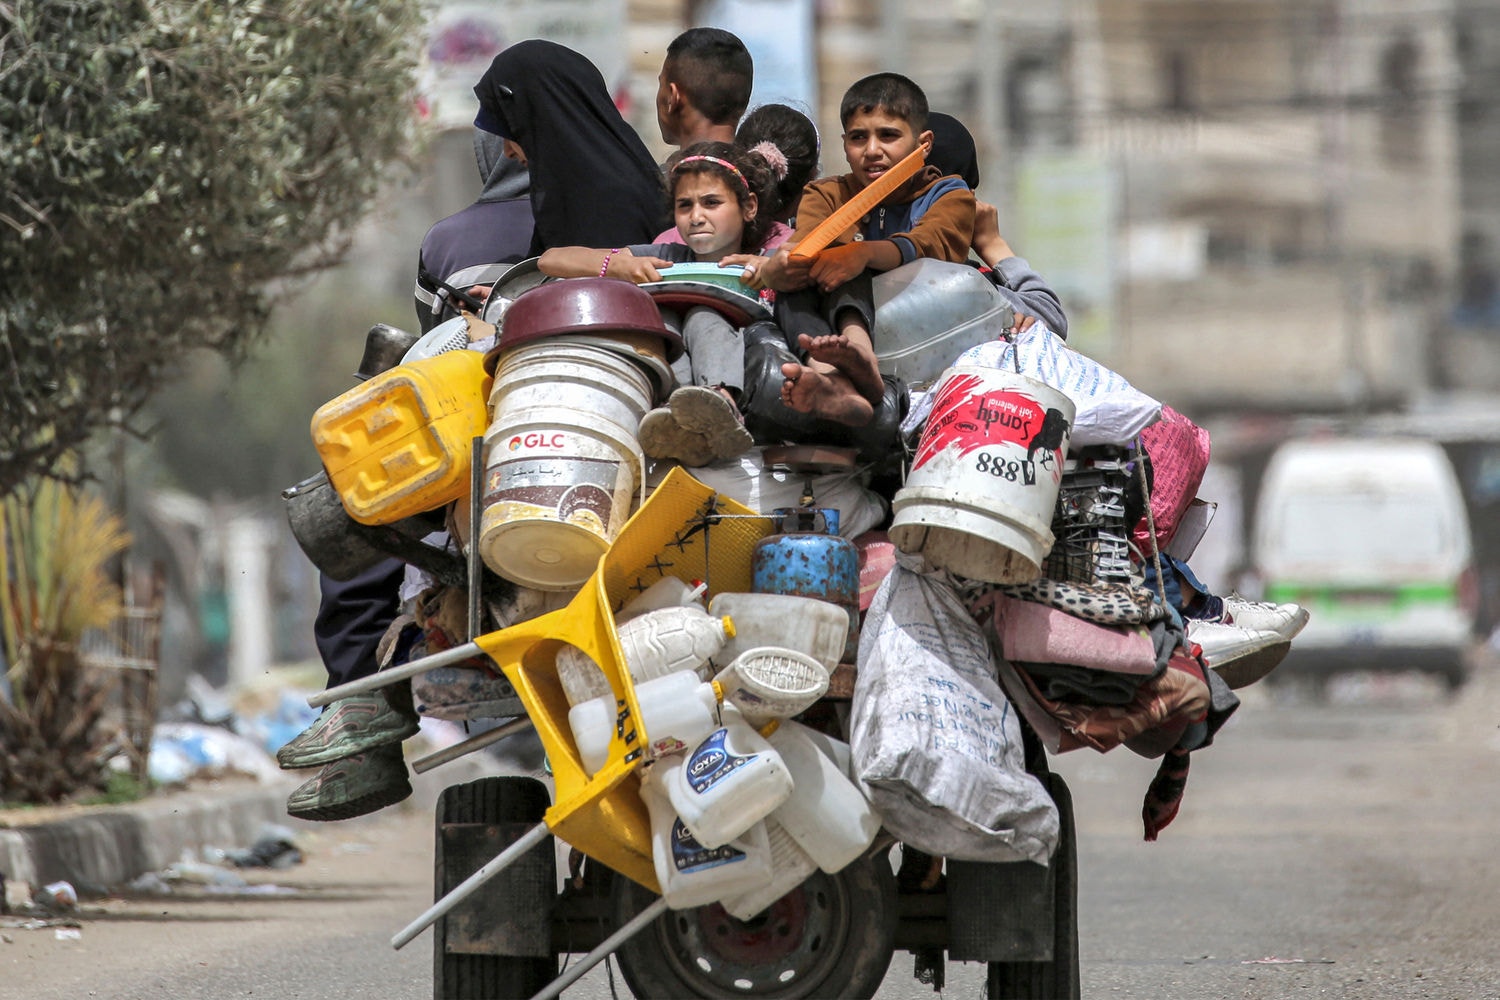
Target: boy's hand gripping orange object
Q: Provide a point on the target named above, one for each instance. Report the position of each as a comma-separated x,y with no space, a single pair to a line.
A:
860,205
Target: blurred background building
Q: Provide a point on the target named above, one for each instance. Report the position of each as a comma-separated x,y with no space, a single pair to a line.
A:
1271,214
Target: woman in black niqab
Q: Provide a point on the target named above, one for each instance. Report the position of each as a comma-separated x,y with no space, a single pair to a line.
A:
593,183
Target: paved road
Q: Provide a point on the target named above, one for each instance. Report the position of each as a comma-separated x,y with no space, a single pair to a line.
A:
1343,849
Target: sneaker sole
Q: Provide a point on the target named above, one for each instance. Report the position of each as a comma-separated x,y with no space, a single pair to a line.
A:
370,802
706,412
1246,670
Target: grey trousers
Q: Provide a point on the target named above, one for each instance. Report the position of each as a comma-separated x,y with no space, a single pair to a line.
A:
715,351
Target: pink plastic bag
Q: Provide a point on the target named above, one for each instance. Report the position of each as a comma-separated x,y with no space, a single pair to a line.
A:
1178,449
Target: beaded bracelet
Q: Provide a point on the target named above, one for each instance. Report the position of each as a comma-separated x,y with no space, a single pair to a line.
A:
604,268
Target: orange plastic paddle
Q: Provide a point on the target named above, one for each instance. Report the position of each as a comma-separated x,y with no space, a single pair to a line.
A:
860,205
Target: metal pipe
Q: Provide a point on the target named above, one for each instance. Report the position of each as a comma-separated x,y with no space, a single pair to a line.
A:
476,568
375,682
470,885
606,948
424,764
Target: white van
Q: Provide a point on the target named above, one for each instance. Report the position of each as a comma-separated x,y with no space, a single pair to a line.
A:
1372,537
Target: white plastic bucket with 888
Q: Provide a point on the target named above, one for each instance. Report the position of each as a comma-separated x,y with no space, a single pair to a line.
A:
983,484
563,466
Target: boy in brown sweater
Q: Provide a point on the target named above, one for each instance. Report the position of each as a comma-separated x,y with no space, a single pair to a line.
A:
826,301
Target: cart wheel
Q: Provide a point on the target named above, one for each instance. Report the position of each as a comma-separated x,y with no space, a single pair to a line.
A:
1057,979
830,937
475,821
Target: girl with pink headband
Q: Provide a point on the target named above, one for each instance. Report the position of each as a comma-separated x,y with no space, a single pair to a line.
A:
717,190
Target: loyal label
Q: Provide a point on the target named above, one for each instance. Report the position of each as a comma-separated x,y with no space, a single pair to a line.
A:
711,763
688,855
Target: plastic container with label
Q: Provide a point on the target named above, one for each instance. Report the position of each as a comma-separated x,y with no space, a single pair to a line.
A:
826,814
689,873
732,780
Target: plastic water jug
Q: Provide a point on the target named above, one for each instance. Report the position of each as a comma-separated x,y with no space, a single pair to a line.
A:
670,639
806,624
790,866
826,814
768,683
732,780
809,559
677,710
668,592
582,679
689,873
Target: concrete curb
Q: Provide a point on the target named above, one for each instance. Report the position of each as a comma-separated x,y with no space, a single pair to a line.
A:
110,846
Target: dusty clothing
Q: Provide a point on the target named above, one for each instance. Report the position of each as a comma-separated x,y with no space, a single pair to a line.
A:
933,216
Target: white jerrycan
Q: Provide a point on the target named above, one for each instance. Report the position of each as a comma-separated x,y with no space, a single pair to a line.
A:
790,867
730,781
826,814
691,874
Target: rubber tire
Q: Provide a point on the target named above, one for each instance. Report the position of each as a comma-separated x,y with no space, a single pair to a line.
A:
652,964
502,799
1059,978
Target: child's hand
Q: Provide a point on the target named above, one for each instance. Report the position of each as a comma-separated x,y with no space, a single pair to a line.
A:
837,265
754,267
779,271
628,267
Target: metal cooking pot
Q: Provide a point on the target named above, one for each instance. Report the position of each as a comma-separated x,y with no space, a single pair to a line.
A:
342,548
929,312
597,307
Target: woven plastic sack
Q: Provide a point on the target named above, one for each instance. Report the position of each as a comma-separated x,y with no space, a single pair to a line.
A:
933,736
1179,450
1109,409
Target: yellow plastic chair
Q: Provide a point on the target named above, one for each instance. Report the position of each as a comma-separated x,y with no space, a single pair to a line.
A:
686,530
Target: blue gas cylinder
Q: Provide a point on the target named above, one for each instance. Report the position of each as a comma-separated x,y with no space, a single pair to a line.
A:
808,558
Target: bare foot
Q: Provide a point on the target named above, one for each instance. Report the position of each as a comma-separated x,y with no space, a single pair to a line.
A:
854,362
828,395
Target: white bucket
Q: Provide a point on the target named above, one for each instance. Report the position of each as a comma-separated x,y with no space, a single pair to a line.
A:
562,462
601,384
983,485
558,488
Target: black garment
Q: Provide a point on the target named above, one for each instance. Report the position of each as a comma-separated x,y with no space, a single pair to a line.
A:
496,229
352,616
953,148
593,183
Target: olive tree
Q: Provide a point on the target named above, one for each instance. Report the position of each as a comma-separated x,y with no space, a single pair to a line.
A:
165,165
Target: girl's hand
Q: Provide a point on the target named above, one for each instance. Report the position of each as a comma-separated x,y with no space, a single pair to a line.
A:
754,268
628,267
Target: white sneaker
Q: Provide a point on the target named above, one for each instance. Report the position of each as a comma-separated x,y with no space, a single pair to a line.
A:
1239,655
1286,620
